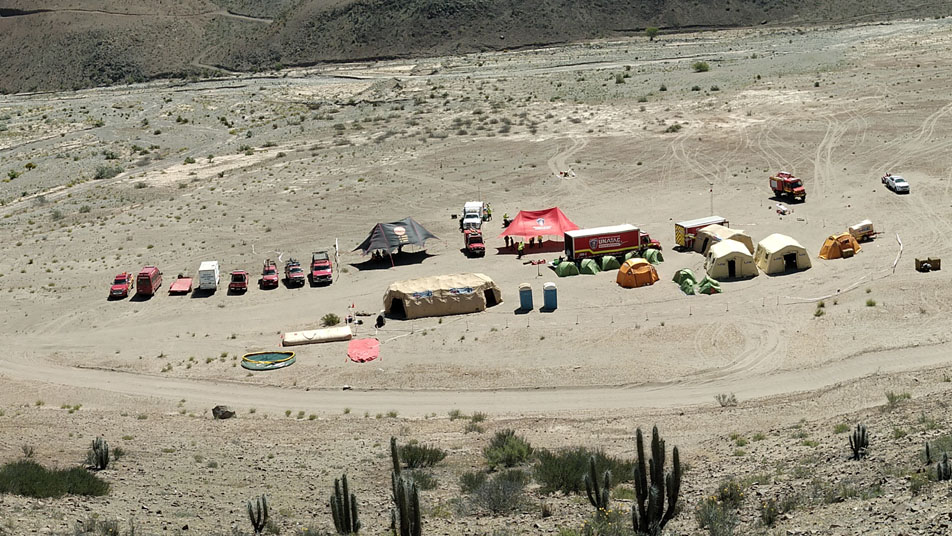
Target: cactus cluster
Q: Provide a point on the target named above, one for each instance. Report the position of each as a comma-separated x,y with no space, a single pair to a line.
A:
859,442
656,492
405,519
344,508
99,454
943,470
258,513
598,495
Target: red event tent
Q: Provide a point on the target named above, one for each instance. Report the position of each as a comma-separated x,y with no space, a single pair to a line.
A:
548,222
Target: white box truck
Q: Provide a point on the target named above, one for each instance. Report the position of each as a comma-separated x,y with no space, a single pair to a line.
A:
474,213
208,276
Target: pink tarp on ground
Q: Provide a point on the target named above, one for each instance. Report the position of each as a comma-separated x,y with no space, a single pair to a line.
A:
363,350
548,222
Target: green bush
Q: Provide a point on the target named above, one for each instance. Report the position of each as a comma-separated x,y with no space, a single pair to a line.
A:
31,479
731,493
423,479
507,449
107,172
471,480
701,67
330,319
414,455
503,493
716,517
564,470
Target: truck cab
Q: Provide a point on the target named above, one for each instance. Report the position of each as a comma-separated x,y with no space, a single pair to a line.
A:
121,286
294,274
473,243
239,282
474,214
269,275
322,271
785,184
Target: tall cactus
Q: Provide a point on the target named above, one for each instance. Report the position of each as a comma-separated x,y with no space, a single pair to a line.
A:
859,442
406,499
344,508
258,513
943,470
653,486
928,454
100,453
599,496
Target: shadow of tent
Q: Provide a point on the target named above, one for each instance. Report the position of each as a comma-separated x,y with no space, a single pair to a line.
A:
399,259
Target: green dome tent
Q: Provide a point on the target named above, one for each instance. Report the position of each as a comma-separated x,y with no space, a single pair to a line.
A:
681,275
566,268
709,286
653,256
687,287
589,267
610,263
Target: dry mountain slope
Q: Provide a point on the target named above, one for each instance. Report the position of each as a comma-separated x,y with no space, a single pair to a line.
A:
63,44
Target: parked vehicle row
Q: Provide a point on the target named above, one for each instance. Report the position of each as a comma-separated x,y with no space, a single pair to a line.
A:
149,279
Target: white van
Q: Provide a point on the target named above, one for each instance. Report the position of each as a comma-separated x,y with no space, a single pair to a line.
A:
208,275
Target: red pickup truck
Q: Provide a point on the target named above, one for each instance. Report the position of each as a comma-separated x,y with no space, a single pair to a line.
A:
293,274
239,282
322,271
121,286
269,275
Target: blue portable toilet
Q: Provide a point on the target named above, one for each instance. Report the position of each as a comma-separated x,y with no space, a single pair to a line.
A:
550,297
525,297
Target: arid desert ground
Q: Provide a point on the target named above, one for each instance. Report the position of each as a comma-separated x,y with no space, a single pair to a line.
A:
280,164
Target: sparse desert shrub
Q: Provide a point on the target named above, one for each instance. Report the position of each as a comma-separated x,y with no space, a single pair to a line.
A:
726,400
651,32
415,455
423,479
189,160
84,209
700,67
30,479
716,517
501,494
470,480
731,493
455,414
768,512
564,471
507,449
870,303
675,127
106,172
894,399
330,319
619,78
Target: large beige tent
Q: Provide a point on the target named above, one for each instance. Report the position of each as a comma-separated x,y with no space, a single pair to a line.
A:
712,234
779,253
441,295
729,259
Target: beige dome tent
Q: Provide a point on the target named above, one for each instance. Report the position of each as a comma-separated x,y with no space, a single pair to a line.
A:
779,253
729,259
712,234
441,295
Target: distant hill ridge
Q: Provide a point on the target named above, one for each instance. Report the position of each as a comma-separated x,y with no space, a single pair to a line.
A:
69,44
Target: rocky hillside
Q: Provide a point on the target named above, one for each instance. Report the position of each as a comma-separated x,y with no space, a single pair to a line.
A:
64,44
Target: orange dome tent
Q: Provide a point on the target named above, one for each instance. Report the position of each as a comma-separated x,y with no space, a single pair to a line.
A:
636,273
839,246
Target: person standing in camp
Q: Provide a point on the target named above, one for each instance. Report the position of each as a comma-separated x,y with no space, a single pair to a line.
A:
531,242
489,212
522,246
539,240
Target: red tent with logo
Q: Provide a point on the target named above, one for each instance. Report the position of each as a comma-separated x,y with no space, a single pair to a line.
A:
548,222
